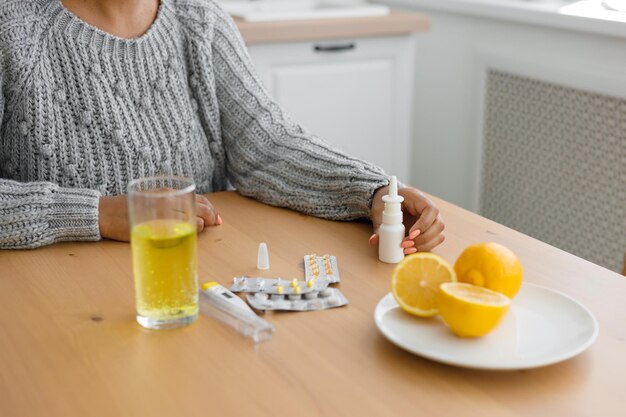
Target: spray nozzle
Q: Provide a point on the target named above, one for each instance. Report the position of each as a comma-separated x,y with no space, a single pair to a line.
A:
392,195
393,187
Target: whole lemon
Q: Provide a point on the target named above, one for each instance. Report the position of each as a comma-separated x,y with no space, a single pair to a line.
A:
490,265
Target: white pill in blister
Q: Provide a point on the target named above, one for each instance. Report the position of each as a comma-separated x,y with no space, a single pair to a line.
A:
278,297
311,295
326,292
333,301
240,281
261,296
294,296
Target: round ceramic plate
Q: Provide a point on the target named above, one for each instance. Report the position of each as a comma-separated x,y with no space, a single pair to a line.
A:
542,327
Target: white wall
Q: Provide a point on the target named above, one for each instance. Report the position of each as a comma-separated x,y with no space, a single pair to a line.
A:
449,78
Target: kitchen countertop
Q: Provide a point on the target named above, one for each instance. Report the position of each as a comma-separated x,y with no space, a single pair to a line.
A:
577,15
396,23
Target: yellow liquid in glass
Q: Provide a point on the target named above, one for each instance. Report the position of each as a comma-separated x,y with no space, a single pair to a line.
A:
165,266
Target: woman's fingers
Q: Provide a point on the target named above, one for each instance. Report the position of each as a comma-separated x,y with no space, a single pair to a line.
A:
426,231
438,240
425,220
206,212
431,237
407,244
199,224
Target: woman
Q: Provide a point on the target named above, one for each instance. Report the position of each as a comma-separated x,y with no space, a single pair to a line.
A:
98,92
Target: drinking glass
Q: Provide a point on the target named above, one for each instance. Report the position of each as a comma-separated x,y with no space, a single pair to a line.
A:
163,241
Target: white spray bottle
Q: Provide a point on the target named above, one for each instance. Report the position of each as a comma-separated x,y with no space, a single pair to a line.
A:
391,232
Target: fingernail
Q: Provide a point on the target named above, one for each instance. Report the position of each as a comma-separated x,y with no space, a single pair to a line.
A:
410,251
218,221
415,233
407,244
372,238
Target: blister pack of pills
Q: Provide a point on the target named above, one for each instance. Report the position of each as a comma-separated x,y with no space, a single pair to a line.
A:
324,267
313,300
278,285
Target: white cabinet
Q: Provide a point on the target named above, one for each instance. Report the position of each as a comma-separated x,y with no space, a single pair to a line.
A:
354,93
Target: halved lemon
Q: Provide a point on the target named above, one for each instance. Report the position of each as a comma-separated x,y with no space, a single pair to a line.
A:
415,282
471,311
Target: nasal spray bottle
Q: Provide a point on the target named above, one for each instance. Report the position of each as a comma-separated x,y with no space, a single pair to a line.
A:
391,232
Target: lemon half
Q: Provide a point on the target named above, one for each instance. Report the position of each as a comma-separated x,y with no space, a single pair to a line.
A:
416,280
471,311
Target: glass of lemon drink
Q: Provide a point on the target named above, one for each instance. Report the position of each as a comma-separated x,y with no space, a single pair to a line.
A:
163,241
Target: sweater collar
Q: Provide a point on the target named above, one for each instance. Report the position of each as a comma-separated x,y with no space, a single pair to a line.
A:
66,22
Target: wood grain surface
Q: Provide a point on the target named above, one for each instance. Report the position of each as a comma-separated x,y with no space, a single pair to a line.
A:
70,346
394,24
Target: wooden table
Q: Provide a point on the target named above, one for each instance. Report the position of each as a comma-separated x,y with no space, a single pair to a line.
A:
69,344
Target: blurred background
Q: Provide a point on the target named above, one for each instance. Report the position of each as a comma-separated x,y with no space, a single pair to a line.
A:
514,109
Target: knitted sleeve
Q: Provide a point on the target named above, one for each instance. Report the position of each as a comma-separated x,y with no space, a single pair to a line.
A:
35,214
273,159
1,90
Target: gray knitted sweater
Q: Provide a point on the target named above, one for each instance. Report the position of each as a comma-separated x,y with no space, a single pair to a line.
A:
83,112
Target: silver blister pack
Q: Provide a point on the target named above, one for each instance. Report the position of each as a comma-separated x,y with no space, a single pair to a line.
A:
324,267
278,285
314,300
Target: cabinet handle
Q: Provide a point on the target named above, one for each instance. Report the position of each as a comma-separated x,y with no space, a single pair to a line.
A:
335,48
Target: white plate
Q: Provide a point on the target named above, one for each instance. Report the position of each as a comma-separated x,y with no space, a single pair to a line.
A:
542,327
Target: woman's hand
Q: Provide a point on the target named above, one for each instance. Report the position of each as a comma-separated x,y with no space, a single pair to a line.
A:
421,219
113,216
